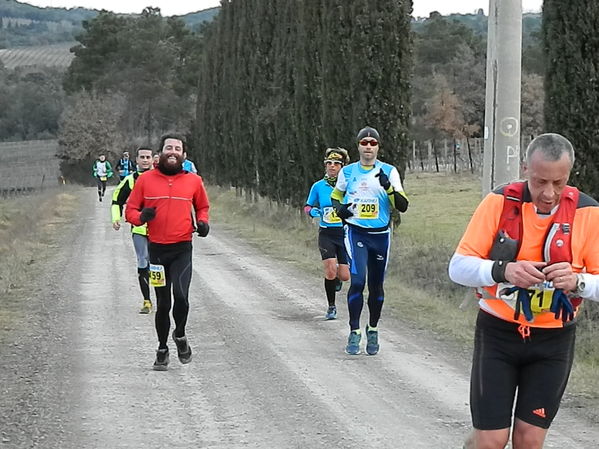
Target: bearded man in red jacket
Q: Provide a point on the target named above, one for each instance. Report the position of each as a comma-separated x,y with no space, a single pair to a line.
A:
164,199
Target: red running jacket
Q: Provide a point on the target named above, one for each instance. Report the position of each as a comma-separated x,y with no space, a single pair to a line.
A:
175,197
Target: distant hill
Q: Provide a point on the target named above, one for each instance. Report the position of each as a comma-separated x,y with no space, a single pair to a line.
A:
15,9
26,25
531,23
194,19
22,24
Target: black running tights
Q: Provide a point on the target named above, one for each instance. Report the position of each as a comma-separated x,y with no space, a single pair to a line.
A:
176,259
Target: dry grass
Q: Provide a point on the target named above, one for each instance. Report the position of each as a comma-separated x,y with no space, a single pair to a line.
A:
28,231
417,286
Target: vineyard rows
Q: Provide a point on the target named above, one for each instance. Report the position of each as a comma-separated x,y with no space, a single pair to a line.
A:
56,55
28,165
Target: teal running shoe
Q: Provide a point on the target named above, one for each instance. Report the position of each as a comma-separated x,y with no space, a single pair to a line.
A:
338,285
372,340
353,342
331,313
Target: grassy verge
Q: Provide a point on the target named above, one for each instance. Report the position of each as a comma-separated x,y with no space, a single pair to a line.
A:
29,229
417,286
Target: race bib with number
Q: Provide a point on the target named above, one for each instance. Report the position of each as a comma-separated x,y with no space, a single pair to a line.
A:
367,209
330,216
103,178
541,296
157,276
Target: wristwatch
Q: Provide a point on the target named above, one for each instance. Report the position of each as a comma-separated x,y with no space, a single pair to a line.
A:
580,284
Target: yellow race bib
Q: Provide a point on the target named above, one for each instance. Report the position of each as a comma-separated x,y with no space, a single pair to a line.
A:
541,296
330,216
157,276
368,209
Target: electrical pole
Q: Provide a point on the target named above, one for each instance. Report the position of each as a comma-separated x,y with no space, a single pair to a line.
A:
501,157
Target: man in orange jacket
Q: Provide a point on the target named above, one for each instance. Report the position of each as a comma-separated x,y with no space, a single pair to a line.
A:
163,199
532,251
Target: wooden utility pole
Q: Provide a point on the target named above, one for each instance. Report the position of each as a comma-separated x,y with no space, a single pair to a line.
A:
501,158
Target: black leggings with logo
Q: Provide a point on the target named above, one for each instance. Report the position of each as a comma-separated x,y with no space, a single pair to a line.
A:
176,259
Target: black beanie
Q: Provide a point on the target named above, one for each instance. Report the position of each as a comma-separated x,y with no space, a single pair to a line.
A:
368,132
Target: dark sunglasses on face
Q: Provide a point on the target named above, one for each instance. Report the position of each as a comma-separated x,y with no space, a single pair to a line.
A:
364,143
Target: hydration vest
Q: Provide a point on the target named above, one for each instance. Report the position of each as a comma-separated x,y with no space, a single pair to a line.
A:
557,246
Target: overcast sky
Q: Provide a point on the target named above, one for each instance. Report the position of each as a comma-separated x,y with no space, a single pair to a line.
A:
179,7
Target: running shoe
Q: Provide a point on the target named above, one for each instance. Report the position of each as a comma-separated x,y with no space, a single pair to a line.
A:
372,340
338,285
331,313
353,342
183,348
161,362
147,307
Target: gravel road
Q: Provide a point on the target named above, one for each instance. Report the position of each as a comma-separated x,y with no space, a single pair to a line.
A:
268,370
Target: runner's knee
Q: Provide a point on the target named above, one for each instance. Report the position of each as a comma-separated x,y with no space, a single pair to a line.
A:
330,273
527,436
490,439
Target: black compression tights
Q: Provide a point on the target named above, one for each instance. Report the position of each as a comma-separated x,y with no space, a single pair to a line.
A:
176,259
144,283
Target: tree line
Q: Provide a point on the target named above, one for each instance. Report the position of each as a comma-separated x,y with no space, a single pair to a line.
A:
273,84
131,79
22,24
281,81
31,103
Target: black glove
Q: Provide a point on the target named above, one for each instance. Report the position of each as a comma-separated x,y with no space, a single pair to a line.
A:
383,180
561,306
522,302
344,213
147,214
203,228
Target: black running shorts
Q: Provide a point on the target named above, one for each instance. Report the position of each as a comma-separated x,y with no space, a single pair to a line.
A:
537,367
331,244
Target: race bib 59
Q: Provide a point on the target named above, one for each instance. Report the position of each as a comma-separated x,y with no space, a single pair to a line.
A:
157,276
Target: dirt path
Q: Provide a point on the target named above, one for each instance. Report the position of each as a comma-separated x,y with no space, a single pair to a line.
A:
268,371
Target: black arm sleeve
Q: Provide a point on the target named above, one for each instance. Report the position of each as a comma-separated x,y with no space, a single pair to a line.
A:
401,202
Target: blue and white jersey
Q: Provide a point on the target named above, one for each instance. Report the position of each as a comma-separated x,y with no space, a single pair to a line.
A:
320,197
371,205
189,166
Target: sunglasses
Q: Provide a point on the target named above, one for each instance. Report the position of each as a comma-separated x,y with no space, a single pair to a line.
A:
365,143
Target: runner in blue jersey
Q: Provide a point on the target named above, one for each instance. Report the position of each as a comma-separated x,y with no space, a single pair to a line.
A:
365,193
330,233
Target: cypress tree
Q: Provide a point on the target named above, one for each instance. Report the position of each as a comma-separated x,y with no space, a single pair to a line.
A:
571,46
281,80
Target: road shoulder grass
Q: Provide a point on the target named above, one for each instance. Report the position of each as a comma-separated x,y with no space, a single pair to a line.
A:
31,228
